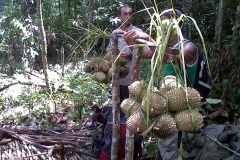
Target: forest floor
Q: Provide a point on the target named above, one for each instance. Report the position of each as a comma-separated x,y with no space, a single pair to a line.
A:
32,132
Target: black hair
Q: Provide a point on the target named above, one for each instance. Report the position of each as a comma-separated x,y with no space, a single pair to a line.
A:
175,12
123,6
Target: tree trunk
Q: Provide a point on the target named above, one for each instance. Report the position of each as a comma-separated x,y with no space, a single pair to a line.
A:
236,31
116,105
218,26
75,10
90,10
230,55
129,147
191,15
44,46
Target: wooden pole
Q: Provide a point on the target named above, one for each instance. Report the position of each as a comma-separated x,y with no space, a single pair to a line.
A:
115,102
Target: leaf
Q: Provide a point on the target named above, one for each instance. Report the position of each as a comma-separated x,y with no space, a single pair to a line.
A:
224,113
213,101
152,148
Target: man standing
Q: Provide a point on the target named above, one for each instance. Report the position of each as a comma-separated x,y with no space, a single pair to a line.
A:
124,15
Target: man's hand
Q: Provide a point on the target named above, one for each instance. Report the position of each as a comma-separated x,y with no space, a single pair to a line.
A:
117,31
131,35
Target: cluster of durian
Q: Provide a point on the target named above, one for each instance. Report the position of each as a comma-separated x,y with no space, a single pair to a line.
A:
101,68
171,108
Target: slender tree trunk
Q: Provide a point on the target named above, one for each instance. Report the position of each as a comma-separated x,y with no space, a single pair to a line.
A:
116,105
129,147
90,10
236,31
62,59
44,46
59,10
218,26
191,15
75,10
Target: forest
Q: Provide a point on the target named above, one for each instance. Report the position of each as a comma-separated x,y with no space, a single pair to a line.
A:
47,95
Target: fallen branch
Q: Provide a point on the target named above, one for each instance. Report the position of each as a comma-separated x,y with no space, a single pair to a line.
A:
39,154
22,83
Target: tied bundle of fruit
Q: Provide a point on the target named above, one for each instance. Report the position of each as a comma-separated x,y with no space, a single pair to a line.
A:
121,61
165,126
100,66
189,120
135,123
123,72
178,99
137,90
97,64
129,105
157,104
168,83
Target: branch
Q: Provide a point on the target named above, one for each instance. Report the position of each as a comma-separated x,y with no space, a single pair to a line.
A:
23,83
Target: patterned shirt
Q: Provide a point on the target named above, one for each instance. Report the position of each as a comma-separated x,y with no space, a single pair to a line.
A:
122,47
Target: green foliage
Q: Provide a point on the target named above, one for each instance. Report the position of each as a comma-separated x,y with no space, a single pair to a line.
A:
73,96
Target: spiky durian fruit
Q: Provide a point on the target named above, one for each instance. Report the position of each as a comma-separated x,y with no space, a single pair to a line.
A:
189,121
122,61
89,67
123,72
157,104
100,77
194,97
137,90
127,103
169,82
177,99
135,123
108,56
101,65
165,126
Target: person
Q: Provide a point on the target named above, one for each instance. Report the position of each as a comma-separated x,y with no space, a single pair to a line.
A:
104,145
192,57
125,13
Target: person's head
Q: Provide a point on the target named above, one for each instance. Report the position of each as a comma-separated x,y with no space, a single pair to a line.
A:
124,13
166,17
172,13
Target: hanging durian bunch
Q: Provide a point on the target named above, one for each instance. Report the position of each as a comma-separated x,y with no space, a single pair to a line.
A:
101,68
170,108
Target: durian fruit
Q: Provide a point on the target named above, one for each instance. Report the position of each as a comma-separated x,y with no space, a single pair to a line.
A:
127,103
177,100
108,56
137,90
122,61
101,65
169,82
123,72
135,123
100,77
194,97
88,67
157,104
165,126
184,120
